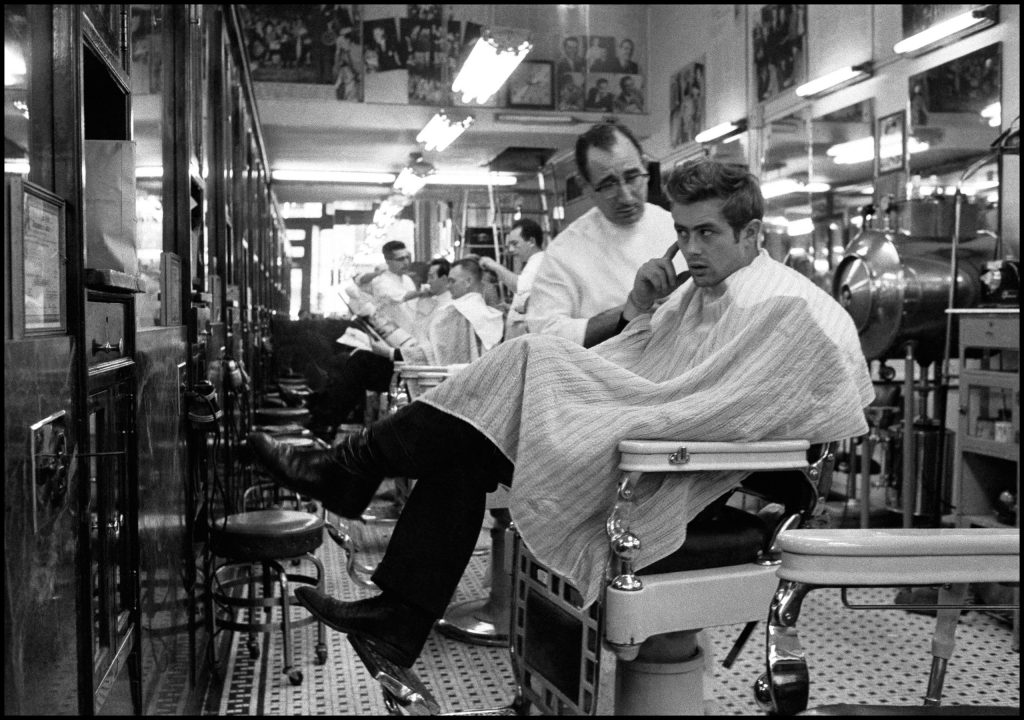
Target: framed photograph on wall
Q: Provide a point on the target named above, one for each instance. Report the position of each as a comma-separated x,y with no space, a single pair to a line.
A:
892,142
38,260
779,49
531,85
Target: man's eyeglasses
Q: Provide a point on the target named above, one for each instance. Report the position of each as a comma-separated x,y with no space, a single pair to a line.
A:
633,179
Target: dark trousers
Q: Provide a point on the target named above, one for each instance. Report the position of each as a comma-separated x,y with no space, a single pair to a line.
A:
455,466
349,377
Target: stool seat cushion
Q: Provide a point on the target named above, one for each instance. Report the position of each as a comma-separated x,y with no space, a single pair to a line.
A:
730,537
273,534
280,416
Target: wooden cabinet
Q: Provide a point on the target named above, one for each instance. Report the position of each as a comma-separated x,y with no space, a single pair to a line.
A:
987,468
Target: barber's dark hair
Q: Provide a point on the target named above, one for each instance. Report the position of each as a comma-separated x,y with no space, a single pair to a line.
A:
442,265
602,136
392,246
704,179
472,265
531,230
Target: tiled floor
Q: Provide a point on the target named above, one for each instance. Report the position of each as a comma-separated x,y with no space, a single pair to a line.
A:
855,656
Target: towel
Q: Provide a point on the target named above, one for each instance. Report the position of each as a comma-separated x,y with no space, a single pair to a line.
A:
772,357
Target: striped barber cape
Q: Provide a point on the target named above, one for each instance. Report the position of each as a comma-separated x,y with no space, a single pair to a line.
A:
772,357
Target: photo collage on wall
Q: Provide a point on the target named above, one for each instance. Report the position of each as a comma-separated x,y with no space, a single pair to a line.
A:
599,73
339,45
311,44
687,96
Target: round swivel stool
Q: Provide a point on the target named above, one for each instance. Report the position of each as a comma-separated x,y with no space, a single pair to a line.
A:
266,538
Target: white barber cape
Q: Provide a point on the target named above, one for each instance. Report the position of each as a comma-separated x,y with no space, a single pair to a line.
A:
388,291
589,267
464,330
772,358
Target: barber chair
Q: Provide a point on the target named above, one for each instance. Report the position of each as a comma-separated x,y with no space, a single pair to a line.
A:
948,558
723,574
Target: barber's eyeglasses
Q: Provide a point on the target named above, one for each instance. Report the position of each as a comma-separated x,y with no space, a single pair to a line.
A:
632,179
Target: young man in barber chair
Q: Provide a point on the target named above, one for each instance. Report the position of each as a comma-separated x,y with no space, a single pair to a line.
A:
745,350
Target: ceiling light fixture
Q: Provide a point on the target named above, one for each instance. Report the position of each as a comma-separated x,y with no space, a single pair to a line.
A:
726,129
333,176
529,119
441,131
835,80
413,176
488,66
471,178
957,26
787,186
863,149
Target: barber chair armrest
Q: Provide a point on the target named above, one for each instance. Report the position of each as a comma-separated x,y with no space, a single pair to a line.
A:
900,556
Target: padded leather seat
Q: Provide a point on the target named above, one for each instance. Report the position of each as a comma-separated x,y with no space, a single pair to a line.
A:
267,534
730,536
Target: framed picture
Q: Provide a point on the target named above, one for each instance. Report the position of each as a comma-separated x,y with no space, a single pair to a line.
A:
779,48
892,142
531,85
38,272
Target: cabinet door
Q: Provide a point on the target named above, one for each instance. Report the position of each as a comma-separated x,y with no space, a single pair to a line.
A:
112,574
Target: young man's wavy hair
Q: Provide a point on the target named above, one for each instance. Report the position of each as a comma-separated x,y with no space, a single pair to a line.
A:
704,179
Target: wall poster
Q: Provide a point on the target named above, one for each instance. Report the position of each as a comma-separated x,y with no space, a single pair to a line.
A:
687,102
779,49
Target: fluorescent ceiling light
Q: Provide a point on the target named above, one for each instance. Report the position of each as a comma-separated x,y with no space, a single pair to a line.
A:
333,176
149,172
788,186
803,226
718,131
528,119
487,68
441,131
974,19
16,167
310,210
456,178
863,149
14,67
993,113
834,80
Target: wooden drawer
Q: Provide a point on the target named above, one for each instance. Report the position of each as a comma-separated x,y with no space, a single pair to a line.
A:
996,331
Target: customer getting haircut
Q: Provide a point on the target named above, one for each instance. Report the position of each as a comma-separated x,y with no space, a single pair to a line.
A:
703,179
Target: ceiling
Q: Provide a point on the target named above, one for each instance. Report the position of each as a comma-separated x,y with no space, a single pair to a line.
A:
323,134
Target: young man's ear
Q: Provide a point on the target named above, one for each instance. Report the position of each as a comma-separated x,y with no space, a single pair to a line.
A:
751,231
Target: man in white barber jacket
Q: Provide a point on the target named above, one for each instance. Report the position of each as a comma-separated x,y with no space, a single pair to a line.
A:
589,267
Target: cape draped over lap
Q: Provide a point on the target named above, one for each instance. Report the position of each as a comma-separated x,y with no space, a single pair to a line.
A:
772,358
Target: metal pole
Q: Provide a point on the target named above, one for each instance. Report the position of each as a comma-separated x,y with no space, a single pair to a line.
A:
865,479
909,485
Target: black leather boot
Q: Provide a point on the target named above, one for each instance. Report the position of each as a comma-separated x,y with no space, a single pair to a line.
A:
343,478
393,628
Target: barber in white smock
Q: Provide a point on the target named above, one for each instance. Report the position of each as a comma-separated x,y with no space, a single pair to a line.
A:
525,240
590,265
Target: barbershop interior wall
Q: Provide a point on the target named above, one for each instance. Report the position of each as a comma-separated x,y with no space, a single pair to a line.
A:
837,35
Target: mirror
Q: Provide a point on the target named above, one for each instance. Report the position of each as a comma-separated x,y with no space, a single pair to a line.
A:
785,176
842,158
955,116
